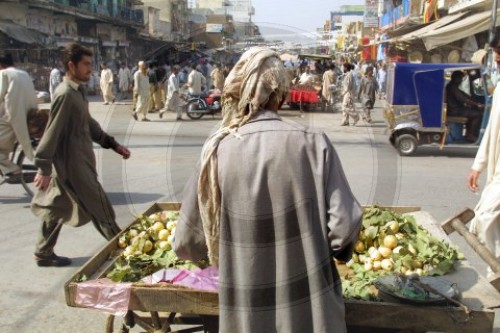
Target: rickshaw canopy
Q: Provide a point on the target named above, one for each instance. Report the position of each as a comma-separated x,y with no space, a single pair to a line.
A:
422,85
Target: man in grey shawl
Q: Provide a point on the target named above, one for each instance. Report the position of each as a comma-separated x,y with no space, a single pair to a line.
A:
273,222
68,189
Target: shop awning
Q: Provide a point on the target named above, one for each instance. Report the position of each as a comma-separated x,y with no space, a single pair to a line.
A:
466,27
430,27
21,33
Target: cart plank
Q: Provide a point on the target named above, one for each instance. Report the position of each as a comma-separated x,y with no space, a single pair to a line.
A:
477,293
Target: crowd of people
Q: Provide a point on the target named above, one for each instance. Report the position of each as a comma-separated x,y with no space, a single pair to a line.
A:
355,82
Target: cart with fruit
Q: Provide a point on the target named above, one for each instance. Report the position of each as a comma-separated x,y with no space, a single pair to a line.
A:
395,244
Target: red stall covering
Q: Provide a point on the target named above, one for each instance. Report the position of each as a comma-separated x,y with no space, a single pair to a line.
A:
304,96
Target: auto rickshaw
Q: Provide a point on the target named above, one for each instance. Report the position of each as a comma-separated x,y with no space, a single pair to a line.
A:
416,105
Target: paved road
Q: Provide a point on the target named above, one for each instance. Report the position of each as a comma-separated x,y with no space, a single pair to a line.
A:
164,152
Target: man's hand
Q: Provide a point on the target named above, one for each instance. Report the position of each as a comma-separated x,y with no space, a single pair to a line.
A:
42,182
472,180
122,150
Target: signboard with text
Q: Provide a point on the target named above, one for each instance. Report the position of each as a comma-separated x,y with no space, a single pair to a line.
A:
370,18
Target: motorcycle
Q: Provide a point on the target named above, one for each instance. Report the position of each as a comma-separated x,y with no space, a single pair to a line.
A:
198,106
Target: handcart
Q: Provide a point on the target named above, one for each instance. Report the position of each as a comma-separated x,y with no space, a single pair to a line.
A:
154,307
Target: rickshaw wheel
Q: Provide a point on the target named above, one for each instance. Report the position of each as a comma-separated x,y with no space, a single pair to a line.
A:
406,144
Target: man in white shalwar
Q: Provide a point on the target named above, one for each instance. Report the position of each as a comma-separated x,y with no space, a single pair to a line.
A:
124,81
172,103
18,96
196,82
54,79
141,90
106,84
486,223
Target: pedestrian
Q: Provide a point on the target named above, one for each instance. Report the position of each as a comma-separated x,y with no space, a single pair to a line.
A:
172,103
18,98
217,77
124,81
348,93
154,88
135,69
329,84
486,222
382,79
106,84
142,91
54,79
272,225
367,92
196,82
69,191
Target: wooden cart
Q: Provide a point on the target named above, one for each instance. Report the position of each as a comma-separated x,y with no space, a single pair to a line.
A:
161,302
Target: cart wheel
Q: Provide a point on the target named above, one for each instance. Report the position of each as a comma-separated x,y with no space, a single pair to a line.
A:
406,144
110,326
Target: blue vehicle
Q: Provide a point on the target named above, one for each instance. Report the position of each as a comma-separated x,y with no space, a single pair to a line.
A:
416,105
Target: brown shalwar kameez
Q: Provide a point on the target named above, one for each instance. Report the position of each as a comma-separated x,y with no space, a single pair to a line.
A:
74,196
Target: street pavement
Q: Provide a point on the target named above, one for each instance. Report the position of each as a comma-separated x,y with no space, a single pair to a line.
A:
164,153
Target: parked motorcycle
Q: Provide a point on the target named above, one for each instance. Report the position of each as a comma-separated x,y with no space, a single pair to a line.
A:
198,106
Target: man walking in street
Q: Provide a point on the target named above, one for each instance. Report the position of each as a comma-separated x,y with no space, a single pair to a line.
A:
329,84
142,91
172,103
69,191
124,81
18,97
348,92
106,84
217,77
54,79
367,92
155,103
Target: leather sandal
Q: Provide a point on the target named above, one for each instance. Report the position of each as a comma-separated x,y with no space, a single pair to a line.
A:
53,260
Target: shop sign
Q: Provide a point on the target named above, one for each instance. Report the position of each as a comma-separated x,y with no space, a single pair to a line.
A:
88,40
370,18
125,43
215,28
108,43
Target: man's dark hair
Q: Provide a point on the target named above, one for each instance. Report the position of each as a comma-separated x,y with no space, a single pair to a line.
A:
457,76
74,52
6,60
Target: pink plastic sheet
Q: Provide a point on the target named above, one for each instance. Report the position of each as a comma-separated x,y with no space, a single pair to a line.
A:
104,295
201,279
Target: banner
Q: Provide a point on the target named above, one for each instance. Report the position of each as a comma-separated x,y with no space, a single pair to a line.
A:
370,18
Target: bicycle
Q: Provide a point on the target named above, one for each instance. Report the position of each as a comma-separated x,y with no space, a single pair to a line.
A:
28,169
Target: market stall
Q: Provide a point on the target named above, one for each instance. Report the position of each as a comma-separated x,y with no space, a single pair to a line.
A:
154,306
303,97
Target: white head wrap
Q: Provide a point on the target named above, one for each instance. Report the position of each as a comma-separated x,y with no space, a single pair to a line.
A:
258,76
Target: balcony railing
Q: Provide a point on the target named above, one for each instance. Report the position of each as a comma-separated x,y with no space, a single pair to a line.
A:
396,16
116,12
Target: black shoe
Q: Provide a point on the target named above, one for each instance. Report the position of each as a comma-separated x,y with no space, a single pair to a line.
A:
134,115
14,178
160,115
344,124
54,260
